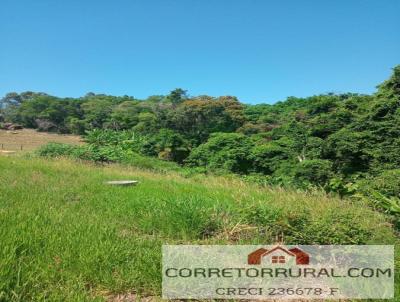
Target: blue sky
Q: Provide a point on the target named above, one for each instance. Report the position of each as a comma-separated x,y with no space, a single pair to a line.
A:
259,51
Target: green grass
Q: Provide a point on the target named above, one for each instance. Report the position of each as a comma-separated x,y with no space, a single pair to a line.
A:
65,236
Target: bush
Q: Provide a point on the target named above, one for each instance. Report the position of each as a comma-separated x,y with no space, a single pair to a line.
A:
106,154
223,151
166,145
387,183
150,163
335,227
259,179
262,214
124,139
315,171
86,152
56,150
268,157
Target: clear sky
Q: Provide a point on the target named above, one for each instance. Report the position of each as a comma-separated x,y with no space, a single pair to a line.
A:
257,50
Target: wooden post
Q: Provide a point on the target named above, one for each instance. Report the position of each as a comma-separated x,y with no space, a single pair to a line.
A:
21,147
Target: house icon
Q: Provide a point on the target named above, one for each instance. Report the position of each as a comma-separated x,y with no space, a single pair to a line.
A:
279,255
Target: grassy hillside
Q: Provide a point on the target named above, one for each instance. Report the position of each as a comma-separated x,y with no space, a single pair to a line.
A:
67,236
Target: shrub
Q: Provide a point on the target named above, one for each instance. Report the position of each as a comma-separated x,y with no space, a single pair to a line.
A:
223,151
262,214
316,171
268,157
106,154
167,145
86,152
387,183
124,139
260,179
335,227
56,149
150,163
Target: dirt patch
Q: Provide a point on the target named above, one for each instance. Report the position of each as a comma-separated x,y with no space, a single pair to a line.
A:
136,298
29,140
131,297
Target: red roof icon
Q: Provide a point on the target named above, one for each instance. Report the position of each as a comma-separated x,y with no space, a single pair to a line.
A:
301,257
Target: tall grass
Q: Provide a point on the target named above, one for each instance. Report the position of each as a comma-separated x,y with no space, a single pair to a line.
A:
65,236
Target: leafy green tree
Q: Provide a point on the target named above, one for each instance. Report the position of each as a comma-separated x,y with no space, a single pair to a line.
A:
314,171
269,156
199,117
96,112
223,151
124,116
16,99
167,145
349,151
147,123
177,96
391,87
47,113
75,125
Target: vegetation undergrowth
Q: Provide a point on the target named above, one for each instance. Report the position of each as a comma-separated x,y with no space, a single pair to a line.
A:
343,143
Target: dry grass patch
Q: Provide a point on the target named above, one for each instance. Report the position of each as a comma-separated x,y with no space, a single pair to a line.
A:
29,139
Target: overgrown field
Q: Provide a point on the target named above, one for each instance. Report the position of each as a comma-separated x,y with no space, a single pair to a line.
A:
65,236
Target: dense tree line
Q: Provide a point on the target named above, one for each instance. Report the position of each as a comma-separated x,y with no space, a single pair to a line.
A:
329,140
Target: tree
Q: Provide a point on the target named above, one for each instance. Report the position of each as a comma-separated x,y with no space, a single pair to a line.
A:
223,151
45,112
315,171
349,150
147,123
96,111
11,98
197,118
391,87
167,145
15,99
268,157
124,116
177,96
